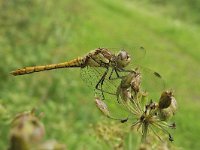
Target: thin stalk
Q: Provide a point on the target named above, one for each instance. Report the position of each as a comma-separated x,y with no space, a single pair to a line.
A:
156,133
144,132
161,127
130,141
130,108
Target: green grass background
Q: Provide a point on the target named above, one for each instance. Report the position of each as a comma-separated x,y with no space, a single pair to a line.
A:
39,32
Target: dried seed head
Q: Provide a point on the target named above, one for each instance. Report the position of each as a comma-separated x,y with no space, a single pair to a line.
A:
165,114
165,99
125,94
136,82
173,105
26,127
102,107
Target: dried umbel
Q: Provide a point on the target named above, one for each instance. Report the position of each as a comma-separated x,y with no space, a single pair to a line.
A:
150,117
149,121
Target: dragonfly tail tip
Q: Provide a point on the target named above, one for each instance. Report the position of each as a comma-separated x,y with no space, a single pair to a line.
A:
13,73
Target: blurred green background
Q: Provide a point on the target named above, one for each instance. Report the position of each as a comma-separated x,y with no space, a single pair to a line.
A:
34,32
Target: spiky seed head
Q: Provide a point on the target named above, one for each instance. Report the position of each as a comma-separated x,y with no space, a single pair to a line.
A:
165,99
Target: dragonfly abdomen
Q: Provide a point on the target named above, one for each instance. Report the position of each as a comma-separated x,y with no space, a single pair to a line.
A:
78,62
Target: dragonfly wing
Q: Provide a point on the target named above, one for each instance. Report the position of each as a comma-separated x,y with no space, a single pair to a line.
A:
110,86
91,76
117,110
137,54
151,81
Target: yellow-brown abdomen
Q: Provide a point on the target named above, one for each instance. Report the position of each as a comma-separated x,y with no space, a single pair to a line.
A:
78,62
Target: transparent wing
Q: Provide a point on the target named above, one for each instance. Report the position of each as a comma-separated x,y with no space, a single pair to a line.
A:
137,54
91,76
151,81
117,110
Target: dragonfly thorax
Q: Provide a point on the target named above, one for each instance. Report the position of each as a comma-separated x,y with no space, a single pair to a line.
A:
100,57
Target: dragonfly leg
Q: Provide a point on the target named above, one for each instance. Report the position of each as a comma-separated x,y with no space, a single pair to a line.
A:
124,70
100,82
110,76
99,85
117,73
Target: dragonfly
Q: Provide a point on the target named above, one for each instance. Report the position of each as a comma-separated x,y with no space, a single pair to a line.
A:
104,60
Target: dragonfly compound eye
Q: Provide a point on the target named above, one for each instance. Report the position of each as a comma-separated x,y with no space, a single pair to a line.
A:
123,55
123,58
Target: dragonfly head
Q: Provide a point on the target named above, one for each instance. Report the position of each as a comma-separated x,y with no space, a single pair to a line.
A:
123,59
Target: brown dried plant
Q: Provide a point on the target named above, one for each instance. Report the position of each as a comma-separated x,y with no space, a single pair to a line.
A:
149,117
27,133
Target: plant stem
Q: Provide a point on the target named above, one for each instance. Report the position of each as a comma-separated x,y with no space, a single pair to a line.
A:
144,132
130,141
